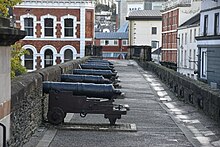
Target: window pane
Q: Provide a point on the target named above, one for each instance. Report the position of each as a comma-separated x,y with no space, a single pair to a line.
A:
68,55
48,26
28,26
48,31
154,30
28,60
68,22
69,32
48,22
48,58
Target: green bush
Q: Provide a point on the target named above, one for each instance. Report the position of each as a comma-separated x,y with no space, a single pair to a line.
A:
5,4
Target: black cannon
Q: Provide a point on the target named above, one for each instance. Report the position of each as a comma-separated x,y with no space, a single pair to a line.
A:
105,73
87,79
82,98
84,79
96,66
101,64
101,61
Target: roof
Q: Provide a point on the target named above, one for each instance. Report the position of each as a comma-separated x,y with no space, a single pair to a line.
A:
145,14
123,28
192,21
111,35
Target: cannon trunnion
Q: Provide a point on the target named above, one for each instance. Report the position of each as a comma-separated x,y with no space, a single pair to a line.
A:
84,99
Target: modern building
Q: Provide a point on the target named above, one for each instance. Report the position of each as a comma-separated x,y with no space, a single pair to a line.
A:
209,43
126,6
145,28
57,31
114,44
187,50
174,14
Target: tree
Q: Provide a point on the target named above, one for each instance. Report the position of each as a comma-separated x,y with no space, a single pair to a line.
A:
5,4
16,53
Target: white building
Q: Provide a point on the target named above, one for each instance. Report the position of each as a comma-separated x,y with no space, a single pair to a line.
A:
209,42
145,28
126,6
187,61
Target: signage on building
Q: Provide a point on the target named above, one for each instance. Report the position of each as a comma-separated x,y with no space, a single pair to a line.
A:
134,7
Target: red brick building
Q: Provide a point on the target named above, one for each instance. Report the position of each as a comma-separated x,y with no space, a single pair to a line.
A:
57,30
114,44
175,13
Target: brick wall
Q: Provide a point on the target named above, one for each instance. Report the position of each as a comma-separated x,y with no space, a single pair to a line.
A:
193,92
28,104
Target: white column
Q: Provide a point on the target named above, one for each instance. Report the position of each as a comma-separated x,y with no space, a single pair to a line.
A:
82,31
5,89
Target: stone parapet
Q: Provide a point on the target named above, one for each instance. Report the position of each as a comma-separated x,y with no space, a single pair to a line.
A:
28,104
191,91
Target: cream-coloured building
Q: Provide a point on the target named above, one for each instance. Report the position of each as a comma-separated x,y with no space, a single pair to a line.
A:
145,28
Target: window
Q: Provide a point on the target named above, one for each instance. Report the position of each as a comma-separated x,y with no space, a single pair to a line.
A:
68,55
216,27
185,58
190,37
203,65
154,44
124,42
115,42
48,27
28,26
185,38
190,58
194,35
68,27
194,59
154,30
205,25
28,60
182,40
106,42
48,58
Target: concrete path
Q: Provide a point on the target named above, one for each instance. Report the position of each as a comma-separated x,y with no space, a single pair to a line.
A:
161,119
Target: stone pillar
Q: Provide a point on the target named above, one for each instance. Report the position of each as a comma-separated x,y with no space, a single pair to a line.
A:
8,36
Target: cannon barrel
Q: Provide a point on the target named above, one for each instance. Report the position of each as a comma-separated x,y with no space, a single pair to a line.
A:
83,89
105,73
93,66
101,61
84,79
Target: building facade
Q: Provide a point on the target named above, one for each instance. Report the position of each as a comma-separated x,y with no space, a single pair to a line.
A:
187,50
114,44
145,28
57,31
126,6
209,43
174,14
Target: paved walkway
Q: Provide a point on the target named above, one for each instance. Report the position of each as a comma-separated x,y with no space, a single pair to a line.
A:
161,119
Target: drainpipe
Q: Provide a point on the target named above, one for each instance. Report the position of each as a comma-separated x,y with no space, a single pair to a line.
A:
4,134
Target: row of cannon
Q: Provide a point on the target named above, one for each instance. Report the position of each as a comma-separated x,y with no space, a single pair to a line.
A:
88,90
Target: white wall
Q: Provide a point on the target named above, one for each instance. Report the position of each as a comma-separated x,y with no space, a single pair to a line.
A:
187,62
141,33
5,89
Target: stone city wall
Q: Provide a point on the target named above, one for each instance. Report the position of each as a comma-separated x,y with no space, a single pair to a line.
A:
28,104
193,92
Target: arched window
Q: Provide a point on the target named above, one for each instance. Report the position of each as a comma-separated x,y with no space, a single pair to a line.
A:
48,58
68,55
29,60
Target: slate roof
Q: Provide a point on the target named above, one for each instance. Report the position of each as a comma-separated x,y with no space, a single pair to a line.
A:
111,35
192,21
145,14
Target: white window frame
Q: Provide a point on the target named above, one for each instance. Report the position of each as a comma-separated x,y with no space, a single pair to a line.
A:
22,17
42,51
54,25
74,26
62,51
203,63
31,47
